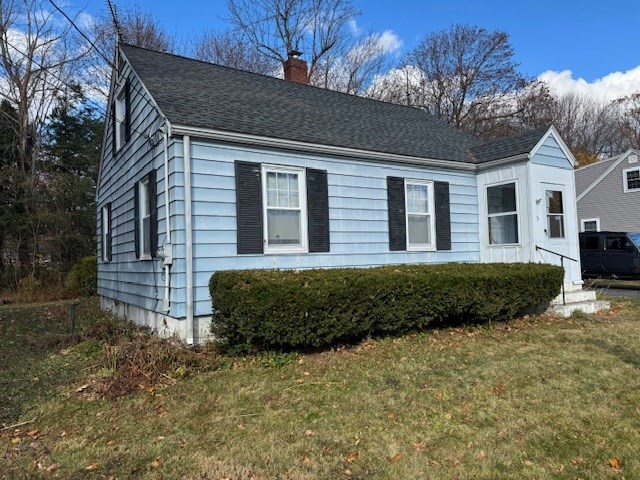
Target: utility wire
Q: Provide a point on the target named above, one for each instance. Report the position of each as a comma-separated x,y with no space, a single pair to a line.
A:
82,33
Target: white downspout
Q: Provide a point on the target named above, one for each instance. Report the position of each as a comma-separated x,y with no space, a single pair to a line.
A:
186,155
167,213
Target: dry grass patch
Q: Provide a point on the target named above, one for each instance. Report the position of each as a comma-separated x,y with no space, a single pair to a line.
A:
533,398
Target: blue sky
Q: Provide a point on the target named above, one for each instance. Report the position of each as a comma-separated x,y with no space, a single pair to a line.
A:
590,38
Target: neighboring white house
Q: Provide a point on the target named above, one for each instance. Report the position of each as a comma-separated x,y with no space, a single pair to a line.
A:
608,194
208,168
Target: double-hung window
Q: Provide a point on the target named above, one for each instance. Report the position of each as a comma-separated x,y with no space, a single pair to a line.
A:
106,232
502,214
590,225
632,180
555,214
145,217
121,118
285,219
420,216
144,207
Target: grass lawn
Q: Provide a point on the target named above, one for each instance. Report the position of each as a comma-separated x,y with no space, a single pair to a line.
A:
531,398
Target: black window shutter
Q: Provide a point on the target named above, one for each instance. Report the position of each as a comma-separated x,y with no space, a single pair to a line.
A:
249,207
153,214
397,214
114,125
109,232
103,249
443,216
318,210
136,218
127,119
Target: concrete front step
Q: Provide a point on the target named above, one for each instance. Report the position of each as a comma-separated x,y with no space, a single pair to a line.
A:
590,306
575,296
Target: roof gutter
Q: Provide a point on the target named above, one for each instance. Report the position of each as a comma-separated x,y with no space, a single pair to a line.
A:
280,143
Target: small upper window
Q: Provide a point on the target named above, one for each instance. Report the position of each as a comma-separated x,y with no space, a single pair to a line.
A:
144,207
632,180
591,225
420,218
121,119
555,214
285,222
502,214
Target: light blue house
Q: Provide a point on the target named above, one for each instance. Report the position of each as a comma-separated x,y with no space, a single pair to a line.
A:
207,168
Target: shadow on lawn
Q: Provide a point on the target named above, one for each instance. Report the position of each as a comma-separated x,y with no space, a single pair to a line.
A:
629,357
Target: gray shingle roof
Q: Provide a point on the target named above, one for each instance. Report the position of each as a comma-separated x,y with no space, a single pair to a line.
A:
200,94
508,147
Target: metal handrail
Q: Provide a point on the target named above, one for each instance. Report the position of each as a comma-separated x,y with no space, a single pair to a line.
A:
562,257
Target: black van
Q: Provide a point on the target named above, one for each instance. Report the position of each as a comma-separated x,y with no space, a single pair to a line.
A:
610,254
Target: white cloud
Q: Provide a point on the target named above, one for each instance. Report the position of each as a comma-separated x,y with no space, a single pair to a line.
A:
611,86
355,29
389,41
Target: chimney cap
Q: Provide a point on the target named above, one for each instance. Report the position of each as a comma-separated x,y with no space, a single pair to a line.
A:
294,53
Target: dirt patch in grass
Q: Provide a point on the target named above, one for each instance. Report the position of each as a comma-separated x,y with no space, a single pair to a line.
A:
538,397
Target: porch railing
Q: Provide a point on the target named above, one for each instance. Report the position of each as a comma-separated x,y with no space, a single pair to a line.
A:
562,257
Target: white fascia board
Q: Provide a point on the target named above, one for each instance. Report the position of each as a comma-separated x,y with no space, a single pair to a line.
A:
503,161
246,139
563,146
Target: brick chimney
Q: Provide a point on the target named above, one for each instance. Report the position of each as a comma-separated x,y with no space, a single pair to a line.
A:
295,69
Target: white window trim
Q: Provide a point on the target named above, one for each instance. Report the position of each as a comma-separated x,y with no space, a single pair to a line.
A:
625,182
302,191
120,98
106,227
564,231
486,196
585,220
421,247
143,191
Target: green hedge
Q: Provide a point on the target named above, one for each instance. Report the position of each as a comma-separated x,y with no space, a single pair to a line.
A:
83,277
270,309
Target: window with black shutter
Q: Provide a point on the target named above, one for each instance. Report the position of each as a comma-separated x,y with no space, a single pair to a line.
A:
122,116
419,215
146,217
281,209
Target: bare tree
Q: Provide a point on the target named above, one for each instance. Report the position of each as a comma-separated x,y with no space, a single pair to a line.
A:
231,49
137,27
465,70
277,27
351,67
629,119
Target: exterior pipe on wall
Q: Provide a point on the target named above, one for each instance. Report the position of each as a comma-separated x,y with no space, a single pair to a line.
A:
167,268
186,155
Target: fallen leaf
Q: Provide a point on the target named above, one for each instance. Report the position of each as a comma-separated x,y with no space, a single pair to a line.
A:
309,433
420,446
528,463
91,467
110,443
306,374
155,463
82,388
15,440
614,463
351,457
391,416
577,461
447,416
481,455
395,457
52,467
347,472
33,433
306,459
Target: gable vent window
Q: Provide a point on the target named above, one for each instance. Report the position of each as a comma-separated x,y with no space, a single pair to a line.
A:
632,180
122,117
281,209
502,214
146,217
419,215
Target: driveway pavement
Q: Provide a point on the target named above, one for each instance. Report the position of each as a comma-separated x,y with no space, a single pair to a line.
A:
618,292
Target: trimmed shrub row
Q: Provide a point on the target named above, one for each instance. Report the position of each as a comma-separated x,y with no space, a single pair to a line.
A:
270,309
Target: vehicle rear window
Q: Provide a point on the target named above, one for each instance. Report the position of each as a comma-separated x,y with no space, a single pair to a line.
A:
635,238
589,243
